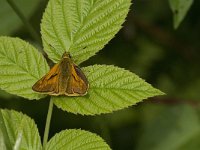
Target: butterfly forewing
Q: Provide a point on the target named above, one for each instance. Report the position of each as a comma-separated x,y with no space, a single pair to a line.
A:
48,83
65,78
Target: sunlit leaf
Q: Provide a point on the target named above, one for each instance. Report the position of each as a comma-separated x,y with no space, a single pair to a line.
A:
111,88
179,9
76,140
82,27
18,131
21,65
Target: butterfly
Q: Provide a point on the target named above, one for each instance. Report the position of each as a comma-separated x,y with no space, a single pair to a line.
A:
64,78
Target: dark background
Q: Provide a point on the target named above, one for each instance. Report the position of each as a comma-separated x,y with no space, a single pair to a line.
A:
149,46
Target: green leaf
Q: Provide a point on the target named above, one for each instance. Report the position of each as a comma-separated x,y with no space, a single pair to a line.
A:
10,22
171,128
21,65
179,9
111,88
18,131
76,140
5,95
82,27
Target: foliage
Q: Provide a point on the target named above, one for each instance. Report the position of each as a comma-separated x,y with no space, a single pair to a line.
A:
9,20
147,46
174,128
81,27
76,139
21,65
18,132
111,88
179,9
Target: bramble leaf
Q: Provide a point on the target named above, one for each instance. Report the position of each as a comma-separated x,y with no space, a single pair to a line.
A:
111,88
76,140
18,131
21,65
179,9
81,27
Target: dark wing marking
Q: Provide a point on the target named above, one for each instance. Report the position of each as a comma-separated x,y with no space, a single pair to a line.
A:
78,84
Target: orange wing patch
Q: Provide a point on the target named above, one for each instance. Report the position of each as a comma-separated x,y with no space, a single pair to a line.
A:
48,83
65,78
78,84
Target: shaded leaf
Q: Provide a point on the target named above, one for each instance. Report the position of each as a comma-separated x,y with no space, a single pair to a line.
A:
5,95
111,88
18,131
76,140
21,65
81,27
10,22
179,9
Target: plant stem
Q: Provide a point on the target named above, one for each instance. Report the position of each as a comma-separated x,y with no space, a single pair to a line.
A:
47,126
29,27
4,132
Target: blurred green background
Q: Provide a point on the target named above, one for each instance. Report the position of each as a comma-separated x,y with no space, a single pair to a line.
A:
147,45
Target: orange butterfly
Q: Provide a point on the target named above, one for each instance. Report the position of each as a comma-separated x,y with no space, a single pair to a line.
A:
65,78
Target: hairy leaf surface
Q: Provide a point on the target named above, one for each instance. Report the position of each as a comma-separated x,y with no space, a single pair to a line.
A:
82,27
21,65
76,140
111,88
18,131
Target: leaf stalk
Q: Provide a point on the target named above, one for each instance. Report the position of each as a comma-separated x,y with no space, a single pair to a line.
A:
47,126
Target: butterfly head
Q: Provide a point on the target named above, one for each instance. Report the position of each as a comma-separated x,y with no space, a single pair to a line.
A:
66,55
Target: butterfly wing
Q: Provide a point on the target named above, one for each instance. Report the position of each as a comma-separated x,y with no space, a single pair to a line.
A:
78,83
49,83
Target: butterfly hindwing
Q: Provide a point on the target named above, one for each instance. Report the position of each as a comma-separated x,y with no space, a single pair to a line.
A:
78,84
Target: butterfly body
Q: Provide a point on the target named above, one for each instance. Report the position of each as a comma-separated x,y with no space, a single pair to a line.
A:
64,78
